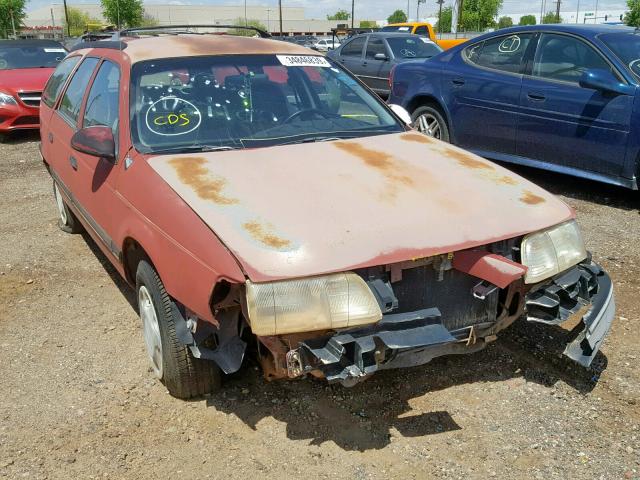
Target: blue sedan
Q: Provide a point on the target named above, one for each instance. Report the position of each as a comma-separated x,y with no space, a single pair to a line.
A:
558,97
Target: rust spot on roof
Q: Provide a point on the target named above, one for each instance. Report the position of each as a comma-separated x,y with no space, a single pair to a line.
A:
192,172
416,137
507,180
531,198
263,235
467,160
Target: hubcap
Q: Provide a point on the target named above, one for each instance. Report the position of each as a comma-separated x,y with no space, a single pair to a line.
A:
62,211
429,125
150,330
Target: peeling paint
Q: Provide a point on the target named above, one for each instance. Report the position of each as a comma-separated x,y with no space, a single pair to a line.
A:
192,172
467,160
507,180
417,137
258,231
531,198
383,162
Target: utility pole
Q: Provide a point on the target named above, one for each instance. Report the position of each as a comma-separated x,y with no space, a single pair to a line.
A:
558,11
418,2
440,2
13,24
66,18
353,11
269,20
280,8
577,11
408,6
245,13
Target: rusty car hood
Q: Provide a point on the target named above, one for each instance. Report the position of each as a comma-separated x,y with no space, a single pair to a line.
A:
307,209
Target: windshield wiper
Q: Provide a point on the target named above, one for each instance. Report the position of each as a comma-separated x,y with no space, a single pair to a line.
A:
196,148
314,140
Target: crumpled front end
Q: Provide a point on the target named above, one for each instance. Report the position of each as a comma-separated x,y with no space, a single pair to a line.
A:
434,307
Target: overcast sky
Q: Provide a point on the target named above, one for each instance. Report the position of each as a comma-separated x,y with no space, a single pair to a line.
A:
377,9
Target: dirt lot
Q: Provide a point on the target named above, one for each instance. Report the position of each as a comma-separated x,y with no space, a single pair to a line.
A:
78,401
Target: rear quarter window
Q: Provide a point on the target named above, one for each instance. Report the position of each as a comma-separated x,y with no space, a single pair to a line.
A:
505,53
58,79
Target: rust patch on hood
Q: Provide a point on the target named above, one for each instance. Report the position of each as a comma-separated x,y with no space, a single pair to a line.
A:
467,160
258,231
383,162
416,137
507,180
531,198
192,172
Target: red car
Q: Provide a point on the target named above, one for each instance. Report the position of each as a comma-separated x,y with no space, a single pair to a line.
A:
25,67
260,198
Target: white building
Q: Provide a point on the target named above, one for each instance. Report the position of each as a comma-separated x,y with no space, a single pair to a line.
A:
293,18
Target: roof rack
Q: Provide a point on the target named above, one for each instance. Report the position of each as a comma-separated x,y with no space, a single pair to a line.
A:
185,29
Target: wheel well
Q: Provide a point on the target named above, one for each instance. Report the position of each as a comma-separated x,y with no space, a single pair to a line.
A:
133,253
422,100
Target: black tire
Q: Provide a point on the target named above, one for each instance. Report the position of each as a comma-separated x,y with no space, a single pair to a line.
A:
67,221
433,113
4,137
184,376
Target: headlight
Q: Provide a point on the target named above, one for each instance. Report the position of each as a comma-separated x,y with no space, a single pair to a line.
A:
304,305
552,251
6,99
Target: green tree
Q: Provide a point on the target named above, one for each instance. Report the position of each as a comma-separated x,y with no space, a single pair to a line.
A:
505,22
632,17
478,15
11,14
78,21
339,15
368,24
527,20
251,22
443,25
399,16
551,17
123,13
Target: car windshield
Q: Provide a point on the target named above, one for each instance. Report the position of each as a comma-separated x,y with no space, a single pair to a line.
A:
413,47
626,46
30,56
238,101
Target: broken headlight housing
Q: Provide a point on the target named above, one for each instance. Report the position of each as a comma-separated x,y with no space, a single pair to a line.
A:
308,304
552,251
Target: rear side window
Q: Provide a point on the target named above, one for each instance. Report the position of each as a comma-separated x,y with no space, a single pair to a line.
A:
504,53
422,31
70,104
58,79
353,48
103,99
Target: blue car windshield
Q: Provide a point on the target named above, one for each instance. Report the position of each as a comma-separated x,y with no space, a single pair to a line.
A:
249,101
626,46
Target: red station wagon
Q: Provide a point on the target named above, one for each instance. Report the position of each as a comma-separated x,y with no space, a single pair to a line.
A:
256,193
25,67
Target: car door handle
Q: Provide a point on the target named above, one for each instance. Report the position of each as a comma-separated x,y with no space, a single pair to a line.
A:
73,162
536,97
458,82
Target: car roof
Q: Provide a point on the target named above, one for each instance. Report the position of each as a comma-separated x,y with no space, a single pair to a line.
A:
579,29
191,45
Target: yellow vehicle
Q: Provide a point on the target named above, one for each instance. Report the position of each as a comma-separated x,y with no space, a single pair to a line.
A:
424,29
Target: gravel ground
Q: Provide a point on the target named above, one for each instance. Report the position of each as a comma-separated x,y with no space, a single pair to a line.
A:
78,400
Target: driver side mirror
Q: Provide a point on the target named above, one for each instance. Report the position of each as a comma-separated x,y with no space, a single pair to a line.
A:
401,113
97,141
603,81
381,56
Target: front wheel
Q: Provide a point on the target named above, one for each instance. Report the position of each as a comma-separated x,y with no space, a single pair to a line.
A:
428,120
184,375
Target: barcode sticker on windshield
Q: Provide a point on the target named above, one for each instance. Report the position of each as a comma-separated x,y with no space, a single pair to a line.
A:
54,50
303,61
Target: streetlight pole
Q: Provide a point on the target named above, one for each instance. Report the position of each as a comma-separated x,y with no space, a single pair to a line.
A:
353,11
280,8
440,2
66,18
408,6
577,11
269,20
245,13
